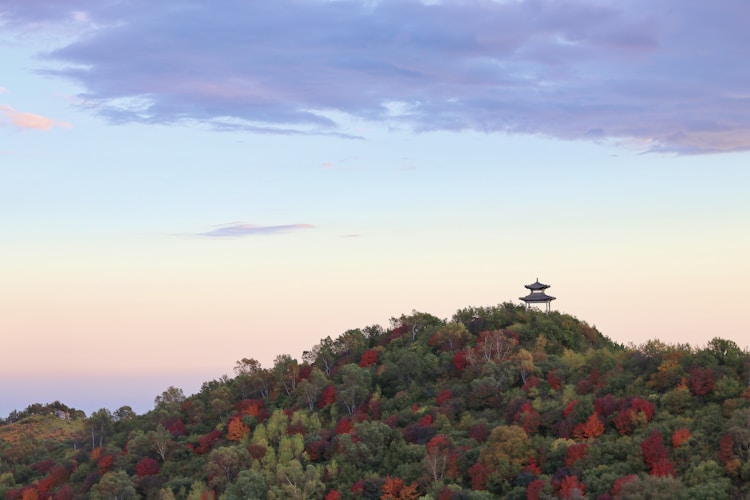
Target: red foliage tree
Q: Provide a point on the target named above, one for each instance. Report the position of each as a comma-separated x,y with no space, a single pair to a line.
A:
528,418
444,396
333,495
236,430
460,361
532,467
479,474
701,381
575,452
176,427
656,456
531,383
251,407
680,436
591,428
207,441
555,382
344,426
479,432
605,406
726,452
257,451
45,485
569,407
571,487
633,414
620,482
369,358
327,396
147,467
105,464
534,490
65,493
425,421
43,466
395,489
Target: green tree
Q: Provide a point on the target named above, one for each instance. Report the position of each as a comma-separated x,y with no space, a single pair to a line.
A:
114,486
322,355
507,449
293,481
249,484
161,440
99,424
308,390
225,463
417,322
354,388
451,337
286,373
168,404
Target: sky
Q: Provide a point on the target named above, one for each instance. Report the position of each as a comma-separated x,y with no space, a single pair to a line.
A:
187,183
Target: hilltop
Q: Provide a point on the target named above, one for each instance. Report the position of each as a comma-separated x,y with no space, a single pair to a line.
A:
498,401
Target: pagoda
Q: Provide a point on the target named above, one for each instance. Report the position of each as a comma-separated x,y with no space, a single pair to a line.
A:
537,295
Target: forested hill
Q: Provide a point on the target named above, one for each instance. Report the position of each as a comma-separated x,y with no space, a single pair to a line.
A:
498,402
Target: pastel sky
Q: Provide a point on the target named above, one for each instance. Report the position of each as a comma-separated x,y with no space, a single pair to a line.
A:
187,183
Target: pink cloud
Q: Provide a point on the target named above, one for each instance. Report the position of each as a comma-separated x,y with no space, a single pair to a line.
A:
30,120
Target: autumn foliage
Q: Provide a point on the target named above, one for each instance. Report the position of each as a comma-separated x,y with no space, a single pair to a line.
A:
502,400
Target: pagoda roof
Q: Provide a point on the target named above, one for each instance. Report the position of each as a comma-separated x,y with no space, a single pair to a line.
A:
537,297
537,286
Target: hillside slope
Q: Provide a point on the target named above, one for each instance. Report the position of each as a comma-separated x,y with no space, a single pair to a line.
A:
496,402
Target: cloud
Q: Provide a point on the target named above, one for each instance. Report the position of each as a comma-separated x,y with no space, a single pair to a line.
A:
30,120
239,230
667,74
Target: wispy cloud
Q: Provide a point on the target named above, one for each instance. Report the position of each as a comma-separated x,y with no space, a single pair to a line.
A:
240,230
668,74
29,120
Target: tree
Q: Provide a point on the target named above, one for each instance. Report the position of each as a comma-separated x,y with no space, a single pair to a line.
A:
726,352
253,378
322,355
249,484
395,489
309,390
495,346
506,450
437,455
286,373
146,466
237,430
123,413
354,387
451,337
225,463
293,481
417,322
591,428
114,486
656,455
525,362
161,440
168,403
100,424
